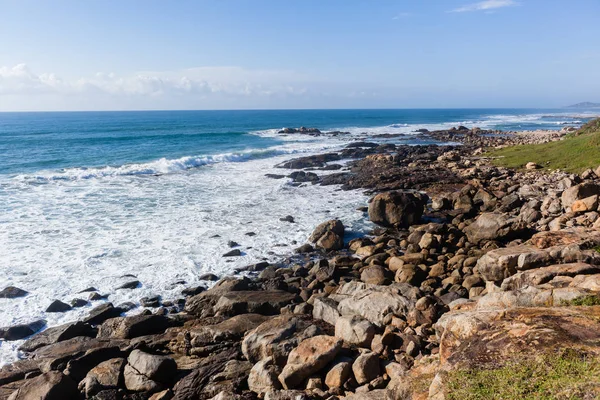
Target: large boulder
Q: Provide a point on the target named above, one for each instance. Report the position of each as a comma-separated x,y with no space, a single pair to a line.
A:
57,334
579,192
106,375
131,327
21,331
492,226
398,209
52,385
263,376
374,303
490,337
276,337
540,276
310,357
259,302
231,329
355,331
148,372
329,235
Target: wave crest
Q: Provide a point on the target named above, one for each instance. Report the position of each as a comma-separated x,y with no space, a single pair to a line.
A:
159,167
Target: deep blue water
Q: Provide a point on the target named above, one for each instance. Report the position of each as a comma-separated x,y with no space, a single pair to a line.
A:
31,142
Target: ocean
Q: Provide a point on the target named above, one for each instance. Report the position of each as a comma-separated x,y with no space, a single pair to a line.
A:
94,198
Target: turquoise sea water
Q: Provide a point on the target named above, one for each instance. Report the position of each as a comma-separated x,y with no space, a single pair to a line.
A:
31,142
90,198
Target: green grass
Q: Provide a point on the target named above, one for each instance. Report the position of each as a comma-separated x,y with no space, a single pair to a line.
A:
591,300
575,153
553,377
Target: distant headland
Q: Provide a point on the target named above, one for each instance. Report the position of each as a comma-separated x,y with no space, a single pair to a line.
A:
585,104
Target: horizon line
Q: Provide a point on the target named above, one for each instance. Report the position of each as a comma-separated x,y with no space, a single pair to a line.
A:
291,109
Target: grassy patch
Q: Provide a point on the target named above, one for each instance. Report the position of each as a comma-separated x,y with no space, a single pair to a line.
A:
553,377
591,300
577,152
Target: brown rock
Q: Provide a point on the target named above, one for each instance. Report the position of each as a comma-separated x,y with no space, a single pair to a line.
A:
308,358
52,385
400,209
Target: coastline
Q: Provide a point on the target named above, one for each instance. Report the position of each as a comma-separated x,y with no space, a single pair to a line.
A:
362,319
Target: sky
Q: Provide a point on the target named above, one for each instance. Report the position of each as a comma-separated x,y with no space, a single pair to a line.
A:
267,54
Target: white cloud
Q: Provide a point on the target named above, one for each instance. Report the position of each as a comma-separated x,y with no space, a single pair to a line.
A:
486,5
203,81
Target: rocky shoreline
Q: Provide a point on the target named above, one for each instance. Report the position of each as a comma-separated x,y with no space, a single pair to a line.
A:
471,265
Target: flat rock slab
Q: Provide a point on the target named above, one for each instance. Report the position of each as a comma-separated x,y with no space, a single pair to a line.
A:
231,329
476,338
57,334
258,302
17,370
135,326
543,275
564,237
500,264
374,302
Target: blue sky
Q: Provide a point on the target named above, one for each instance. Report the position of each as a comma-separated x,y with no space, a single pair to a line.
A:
230,54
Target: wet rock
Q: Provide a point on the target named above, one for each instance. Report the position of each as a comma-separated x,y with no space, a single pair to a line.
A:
12,292
193,290
102,313
130,285
308,358
57,334
21,331
97,296
152,301
208,277
76,303
399,209
58,306
52,385
287,218
305,248
233,253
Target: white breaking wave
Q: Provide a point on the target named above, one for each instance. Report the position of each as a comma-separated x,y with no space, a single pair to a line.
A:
159,167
